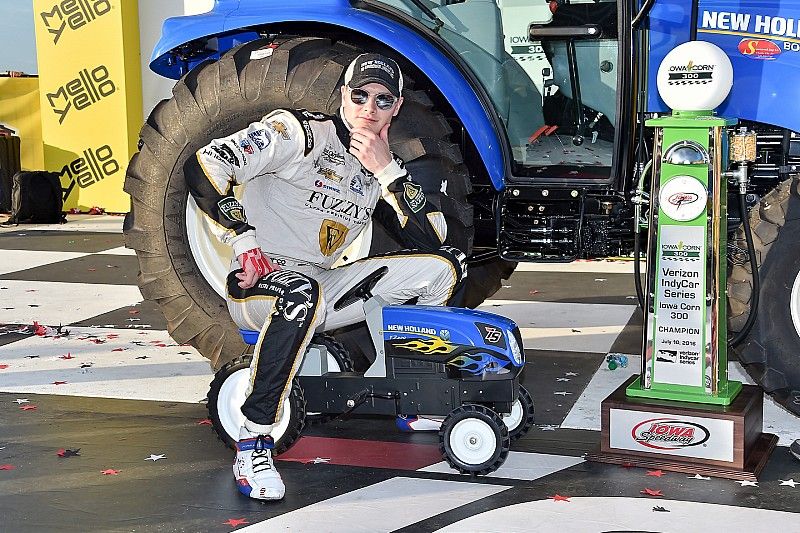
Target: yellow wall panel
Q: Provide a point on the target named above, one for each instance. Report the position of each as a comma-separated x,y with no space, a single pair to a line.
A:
19,110
90,94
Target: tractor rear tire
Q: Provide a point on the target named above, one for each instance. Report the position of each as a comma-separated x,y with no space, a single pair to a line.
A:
217,98
771,351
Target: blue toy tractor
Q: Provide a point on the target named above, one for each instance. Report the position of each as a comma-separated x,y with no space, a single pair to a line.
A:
459,364
523,119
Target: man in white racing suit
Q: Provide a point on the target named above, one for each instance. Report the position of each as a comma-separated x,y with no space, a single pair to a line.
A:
313,182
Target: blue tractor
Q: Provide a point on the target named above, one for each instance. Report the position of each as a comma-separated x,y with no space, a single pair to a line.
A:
523,119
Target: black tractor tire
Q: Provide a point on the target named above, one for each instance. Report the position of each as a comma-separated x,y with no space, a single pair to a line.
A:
771,350
225,414
217,98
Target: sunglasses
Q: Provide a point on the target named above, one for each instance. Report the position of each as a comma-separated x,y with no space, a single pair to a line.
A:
384,101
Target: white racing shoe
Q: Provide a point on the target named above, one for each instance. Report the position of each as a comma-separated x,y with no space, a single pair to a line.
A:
253,467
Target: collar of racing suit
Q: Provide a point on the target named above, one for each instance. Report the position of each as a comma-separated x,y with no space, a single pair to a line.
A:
342,128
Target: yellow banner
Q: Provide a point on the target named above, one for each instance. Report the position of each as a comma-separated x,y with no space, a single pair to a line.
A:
91,96
19,110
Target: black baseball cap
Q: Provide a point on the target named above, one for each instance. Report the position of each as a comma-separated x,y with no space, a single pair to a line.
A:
374,68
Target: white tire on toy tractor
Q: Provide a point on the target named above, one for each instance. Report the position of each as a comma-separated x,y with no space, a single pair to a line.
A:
474,440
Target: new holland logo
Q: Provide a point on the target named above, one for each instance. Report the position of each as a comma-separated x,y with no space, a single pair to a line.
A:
331,236
668,434
88,88
73,13
232,210
92,167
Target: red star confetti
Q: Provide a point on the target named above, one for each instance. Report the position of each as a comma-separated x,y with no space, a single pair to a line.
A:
559,498
651,492
92,269
112,336
534,291
7,467
68,453
626,465
236,522
68,356
133,312
156,342
59,383
39,330
28,407
119,349
656,473
110,472
204,422
3,367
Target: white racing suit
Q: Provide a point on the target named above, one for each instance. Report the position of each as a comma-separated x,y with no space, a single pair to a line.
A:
307,198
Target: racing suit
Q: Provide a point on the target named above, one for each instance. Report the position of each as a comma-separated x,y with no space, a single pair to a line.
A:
307,198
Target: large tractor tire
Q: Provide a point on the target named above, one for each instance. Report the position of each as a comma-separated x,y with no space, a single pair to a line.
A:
182,267
771,351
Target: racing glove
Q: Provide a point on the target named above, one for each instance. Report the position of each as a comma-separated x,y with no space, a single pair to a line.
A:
255,260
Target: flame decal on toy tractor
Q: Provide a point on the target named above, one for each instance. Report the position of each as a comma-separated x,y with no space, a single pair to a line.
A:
479,363
434,345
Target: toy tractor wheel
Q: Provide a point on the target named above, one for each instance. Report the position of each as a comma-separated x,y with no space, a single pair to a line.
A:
182,266
771,351
474,440
520,419
225,399
339,360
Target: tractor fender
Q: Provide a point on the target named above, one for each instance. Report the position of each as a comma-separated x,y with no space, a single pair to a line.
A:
477,116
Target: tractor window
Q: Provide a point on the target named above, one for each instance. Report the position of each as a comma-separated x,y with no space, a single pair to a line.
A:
556,94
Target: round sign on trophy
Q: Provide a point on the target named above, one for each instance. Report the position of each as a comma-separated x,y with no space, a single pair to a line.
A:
695,76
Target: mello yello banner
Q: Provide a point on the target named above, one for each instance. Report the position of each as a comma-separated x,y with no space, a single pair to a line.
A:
91,97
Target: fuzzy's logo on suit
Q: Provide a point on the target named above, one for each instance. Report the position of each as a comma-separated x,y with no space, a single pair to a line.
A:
232,210
332,235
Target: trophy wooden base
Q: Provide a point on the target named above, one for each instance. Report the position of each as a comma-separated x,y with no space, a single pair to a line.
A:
711,440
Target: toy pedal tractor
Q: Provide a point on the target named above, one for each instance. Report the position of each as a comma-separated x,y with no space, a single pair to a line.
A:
456,363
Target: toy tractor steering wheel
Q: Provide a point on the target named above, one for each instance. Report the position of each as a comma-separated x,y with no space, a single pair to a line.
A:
361,290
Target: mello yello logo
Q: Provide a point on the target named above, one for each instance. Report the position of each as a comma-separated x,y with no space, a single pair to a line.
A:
93,166
74,14
88,88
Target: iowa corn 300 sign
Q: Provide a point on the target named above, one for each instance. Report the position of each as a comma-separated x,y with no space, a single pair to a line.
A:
90,86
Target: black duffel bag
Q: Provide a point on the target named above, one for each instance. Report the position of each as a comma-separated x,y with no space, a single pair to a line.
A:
36,198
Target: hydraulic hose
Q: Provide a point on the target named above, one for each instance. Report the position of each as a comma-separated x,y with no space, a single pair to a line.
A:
637,249
751,251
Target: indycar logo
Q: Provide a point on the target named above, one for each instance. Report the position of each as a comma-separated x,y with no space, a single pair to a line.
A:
281,129
759,49
667,434
246,147
232,210
414,197
332,235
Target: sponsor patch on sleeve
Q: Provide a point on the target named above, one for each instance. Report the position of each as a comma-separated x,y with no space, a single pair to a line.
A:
259,138
413,195
232,210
